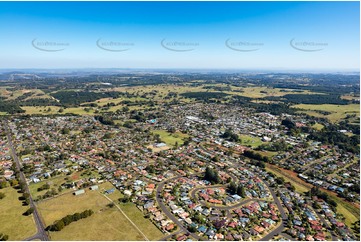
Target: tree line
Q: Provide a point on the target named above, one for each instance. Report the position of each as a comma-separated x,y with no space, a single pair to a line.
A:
60,224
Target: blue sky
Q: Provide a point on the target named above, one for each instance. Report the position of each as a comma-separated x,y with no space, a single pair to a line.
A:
325,35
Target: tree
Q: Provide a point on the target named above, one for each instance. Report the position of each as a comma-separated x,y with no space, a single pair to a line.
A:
3,184
14,183
280,180
65,131
28,212
2,195
58,226
192,229
229,135
211,175
240,191
232,188
3,237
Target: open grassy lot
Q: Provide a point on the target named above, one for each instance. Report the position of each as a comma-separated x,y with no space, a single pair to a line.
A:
40,110
12,222
105,224
32,94
151,231
108,224
267,153
248,140
317,126
338,112
171,138
113,196
301,188
350,211
260,92
350,97
55,110
54,182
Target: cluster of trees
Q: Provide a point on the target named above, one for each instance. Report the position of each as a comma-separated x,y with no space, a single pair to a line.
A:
104,120
311,99
4,237
229,135
10,107
124,199
49,193
256,156
288,123
74,98
212,176
234,189
60,224
315,191
150,169
333,137
205,96
46,186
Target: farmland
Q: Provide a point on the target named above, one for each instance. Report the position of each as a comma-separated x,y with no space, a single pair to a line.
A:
337,112
11,212
105,219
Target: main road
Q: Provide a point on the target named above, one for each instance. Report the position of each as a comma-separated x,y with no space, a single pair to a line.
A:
41,234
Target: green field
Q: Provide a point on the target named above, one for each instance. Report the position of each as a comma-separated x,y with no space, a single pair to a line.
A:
152,232
105,224
108,224
54,182
171,138
261,92
338,112
55,110
12,222
317,126
248,140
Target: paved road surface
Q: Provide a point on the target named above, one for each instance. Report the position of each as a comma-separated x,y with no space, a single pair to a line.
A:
41,234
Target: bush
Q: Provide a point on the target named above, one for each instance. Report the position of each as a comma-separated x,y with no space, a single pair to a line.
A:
3,237
28,212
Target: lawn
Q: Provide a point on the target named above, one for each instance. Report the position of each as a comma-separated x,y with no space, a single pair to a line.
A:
171,138
54,182
317,126
105,224
338,112
151,231
108,224
12,222
248,140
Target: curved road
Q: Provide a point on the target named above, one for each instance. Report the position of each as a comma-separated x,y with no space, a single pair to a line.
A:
268,237
164,208
41,234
